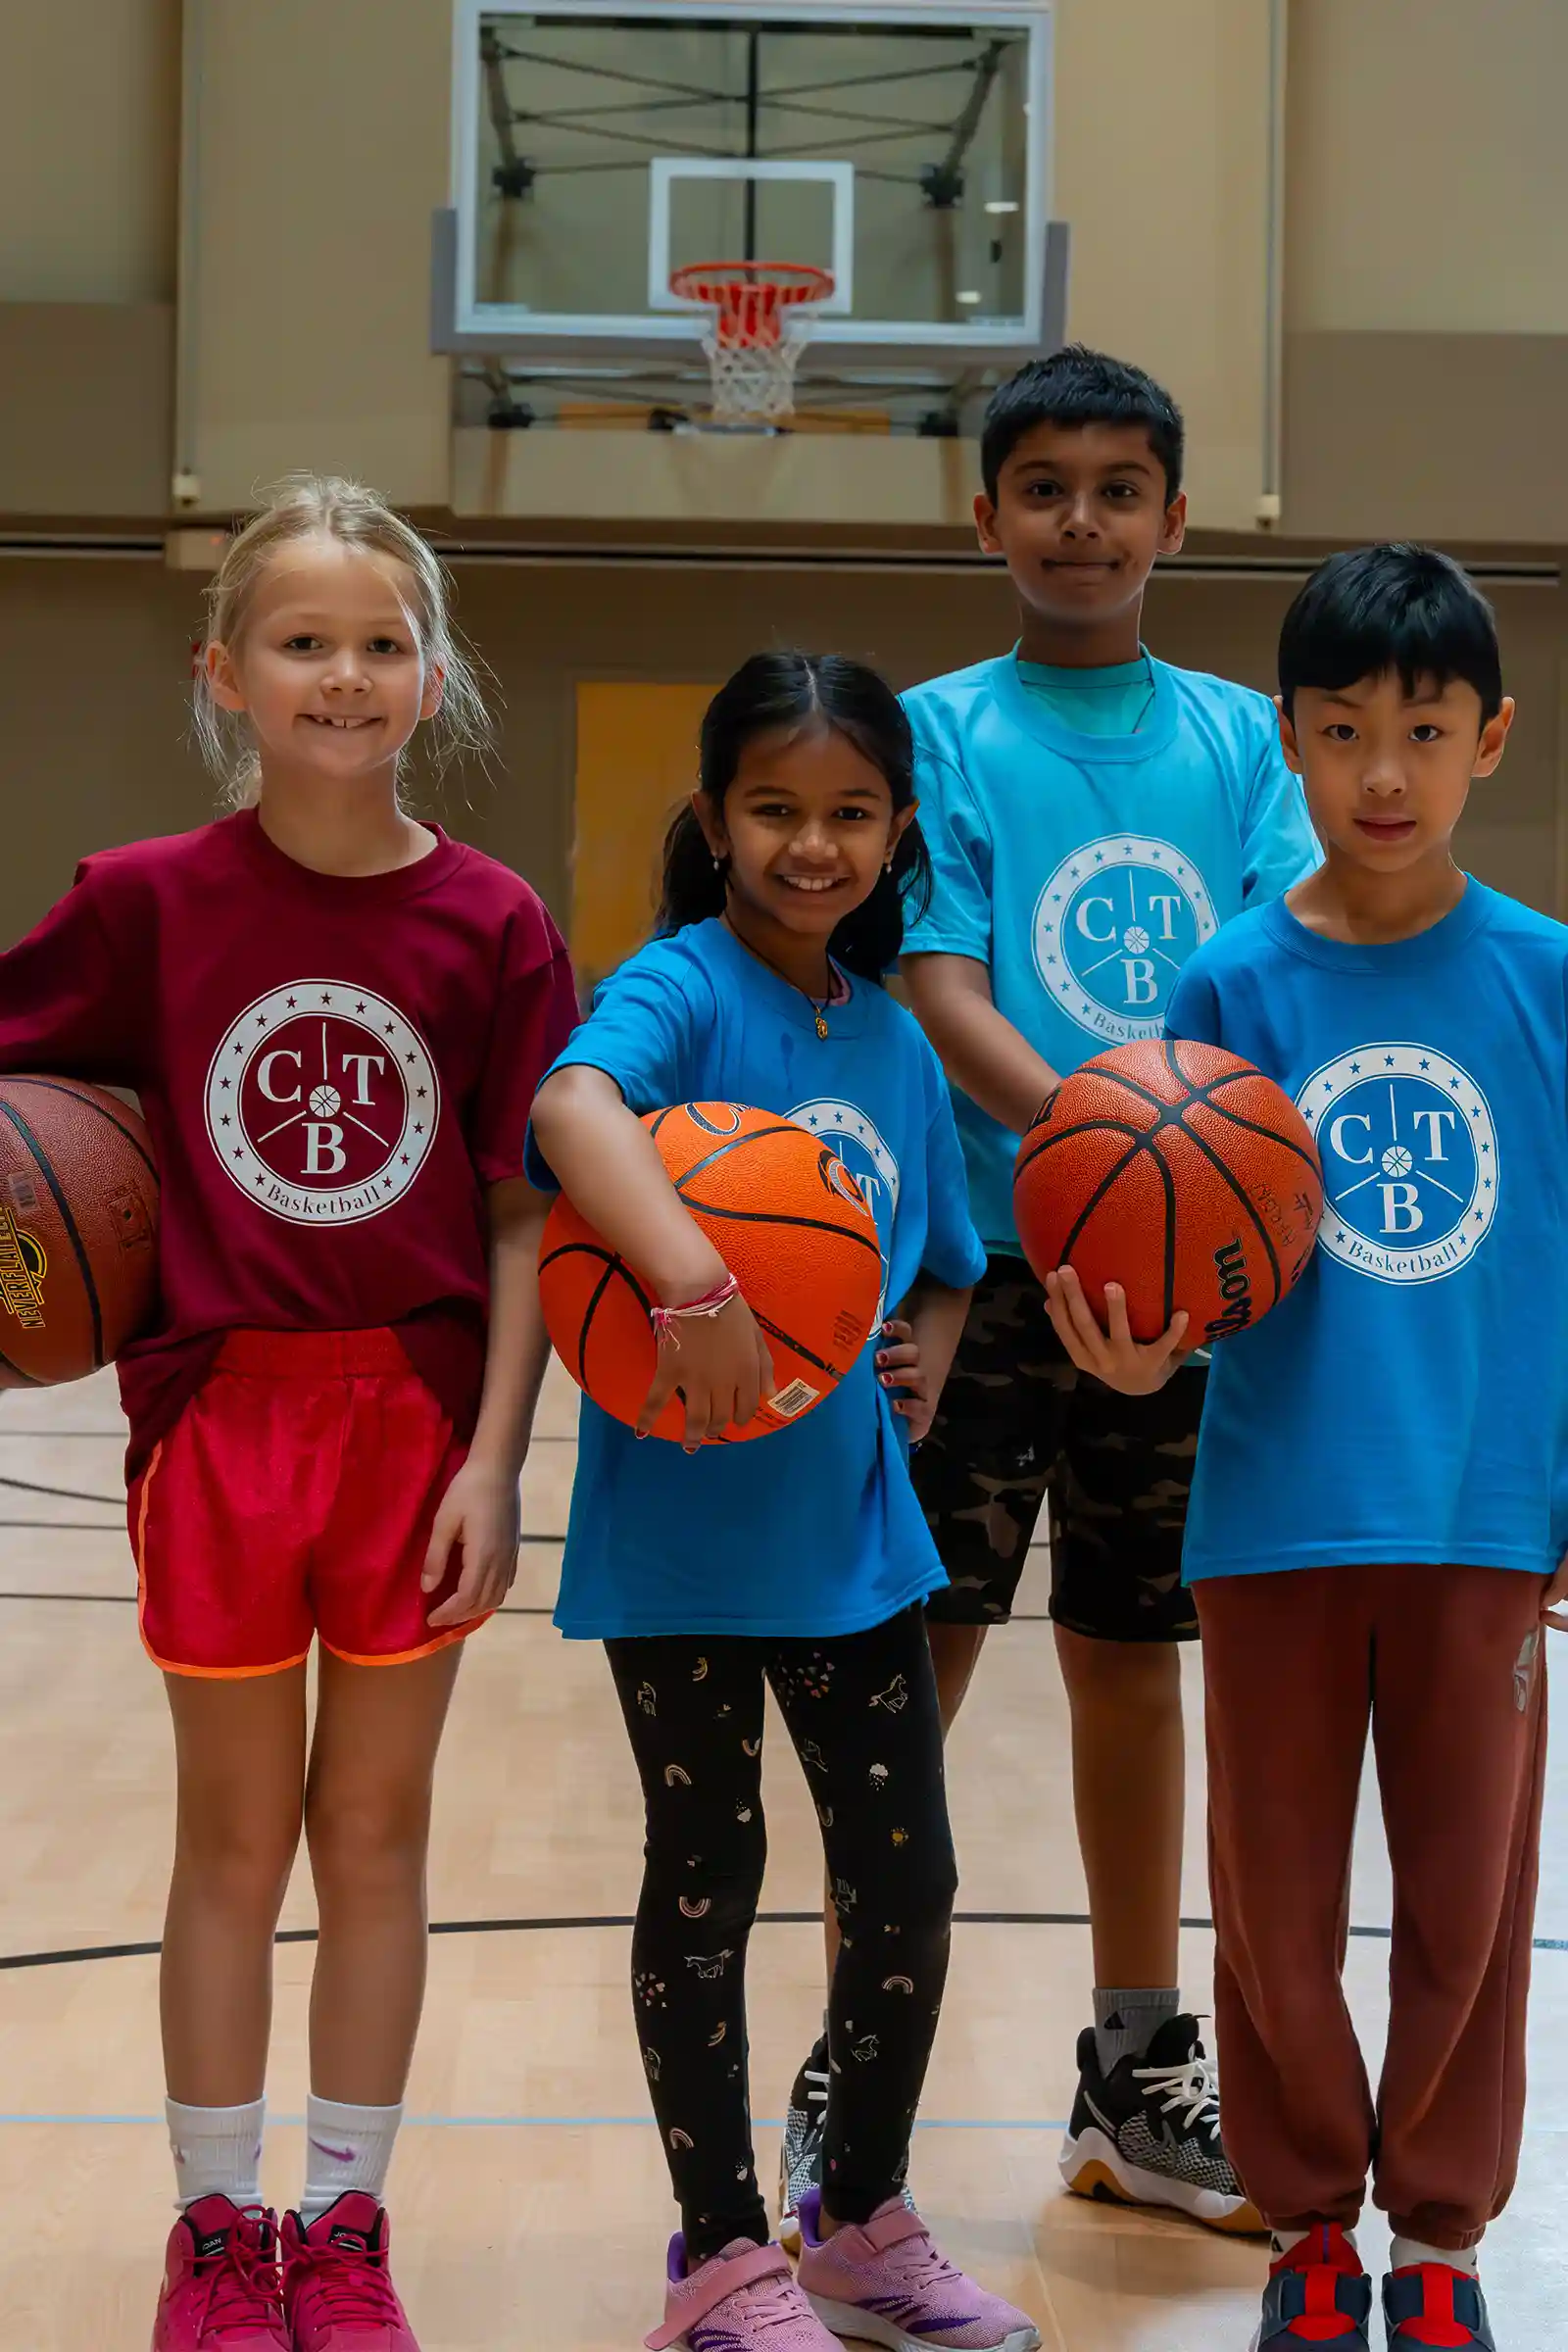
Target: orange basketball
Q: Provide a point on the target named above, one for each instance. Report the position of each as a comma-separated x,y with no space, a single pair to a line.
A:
789,1221
1180,1172
78,1230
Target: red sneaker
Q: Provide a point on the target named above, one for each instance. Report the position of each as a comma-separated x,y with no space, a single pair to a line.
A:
338,2289
222,2291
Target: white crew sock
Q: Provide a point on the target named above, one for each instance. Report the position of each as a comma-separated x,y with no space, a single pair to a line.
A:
344,2147
1410,2251
216,2151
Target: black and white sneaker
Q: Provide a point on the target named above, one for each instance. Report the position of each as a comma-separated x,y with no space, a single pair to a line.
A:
801,2160
1148,2132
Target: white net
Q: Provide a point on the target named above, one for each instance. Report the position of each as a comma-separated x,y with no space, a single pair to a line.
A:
753,384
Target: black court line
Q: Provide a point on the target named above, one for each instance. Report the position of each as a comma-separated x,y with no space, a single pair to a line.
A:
118,1436
624,1919
101,1527
128,1600
115,1437
68,1526
27,1485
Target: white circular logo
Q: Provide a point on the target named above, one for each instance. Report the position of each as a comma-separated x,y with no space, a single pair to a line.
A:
856,1145
322,1102
1114,927
1409,1159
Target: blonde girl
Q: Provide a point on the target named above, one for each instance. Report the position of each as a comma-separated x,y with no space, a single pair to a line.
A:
335,1017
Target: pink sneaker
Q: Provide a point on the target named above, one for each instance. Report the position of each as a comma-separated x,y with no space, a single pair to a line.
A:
886,2283
338,2289
220,2288
744,2300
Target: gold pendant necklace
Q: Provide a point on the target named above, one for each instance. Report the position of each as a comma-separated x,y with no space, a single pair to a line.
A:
820,1010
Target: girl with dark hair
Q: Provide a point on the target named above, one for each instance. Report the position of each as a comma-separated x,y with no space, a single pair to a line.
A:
801,1561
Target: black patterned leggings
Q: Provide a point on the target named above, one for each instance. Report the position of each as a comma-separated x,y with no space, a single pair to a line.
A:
861,1710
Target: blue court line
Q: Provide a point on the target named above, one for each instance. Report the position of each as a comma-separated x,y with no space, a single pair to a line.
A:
645,2122
573,2122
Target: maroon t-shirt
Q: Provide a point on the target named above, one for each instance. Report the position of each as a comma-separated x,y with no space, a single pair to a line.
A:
331,1069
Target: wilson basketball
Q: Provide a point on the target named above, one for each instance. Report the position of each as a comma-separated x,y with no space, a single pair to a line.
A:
78,1230
1179,1171
789,1221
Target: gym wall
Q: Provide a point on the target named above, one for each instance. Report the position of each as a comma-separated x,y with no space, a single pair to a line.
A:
1426,366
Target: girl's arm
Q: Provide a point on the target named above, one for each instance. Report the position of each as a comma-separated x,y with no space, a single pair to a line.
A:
925,1340
479,1509
608,1165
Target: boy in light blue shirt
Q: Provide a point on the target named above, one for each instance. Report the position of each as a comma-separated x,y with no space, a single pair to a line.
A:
1093,816
1380,1507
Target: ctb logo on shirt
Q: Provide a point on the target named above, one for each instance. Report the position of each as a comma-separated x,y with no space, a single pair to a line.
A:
1409,1159
322,1102
856,1143
1114,927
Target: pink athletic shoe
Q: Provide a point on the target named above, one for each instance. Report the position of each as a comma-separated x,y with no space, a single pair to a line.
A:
220,2288
744,2300
338,2289
886,2283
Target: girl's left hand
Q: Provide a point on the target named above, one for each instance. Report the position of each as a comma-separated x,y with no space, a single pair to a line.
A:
478,1513
898,1366
1554,1602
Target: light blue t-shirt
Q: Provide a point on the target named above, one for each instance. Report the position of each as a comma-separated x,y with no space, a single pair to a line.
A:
1410,1399
1116,699
813,1530
1083,869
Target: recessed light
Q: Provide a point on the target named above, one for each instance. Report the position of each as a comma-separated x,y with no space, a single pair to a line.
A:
972,300
1004,207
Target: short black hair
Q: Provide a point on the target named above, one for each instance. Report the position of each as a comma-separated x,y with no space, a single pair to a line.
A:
1077,387
1395,607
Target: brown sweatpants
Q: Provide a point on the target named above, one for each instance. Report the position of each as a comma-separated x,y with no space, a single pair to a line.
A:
1446,1665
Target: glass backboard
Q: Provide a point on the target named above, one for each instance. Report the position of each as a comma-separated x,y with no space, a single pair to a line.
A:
598,146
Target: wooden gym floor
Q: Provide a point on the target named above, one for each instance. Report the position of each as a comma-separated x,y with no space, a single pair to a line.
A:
530,2199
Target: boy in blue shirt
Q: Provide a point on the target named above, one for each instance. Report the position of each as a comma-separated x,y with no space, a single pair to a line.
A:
1380,1507
1093,815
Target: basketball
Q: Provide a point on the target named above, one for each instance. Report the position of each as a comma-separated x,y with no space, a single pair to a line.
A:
78,1230
1179,1171
791,1224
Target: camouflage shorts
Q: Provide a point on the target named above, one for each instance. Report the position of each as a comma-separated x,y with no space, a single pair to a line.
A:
1021,1426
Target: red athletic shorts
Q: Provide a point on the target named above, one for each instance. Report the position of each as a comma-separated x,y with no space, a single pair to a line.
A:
295,1496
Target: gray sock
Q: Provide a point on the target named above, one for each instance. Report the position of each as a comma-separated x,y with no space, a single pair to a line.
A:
1127,2018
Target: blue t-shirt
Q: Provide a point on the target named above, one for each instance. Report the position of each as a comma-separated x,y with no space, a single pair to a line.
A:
813,1530
1117,698
1410,1399
1083,869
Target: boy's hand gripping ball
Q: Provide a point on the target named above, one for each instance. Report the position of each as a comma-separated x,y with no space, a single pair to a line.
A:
1180,1172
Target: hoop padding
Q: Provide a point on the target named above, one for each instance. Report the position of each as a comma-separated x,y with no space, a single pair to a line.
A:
761,323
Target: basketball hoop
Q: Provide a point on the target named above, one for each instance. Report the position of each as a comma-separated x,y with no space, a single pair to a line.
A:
760,325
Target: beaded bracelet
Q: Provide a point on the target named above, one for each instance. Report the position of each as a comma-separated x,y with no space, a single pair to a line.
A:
711,1303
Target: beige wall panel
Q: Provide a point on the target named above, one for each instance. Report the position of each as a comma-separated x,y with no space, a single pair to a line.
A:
94,668
1162,170
324,133
89,114
1428,179
680,478
94,675
1428,436
88,392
